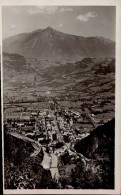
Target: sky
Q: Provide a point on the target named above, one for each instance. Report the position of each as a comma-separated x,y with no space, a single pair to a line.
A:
77,20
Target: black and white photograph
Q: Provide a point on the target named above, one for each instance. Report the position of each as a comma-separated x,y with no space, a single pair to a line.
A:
59,73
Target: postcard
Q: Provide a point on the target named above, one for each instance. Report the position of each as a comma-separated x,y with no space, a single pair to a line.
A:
60,96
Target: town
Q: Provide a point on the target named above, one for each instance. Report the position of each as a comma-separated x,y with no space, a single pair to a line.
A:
52,128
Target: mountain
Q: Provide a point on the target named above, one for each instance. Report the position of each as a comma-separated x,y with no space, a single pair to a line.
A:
53,45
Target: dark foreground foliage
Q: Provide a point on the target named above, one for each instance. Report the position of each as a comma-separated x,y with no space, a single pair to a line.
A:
94,168
22,170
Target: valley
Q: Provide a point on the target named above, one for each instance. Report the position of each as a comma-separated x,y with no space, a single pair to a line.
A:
59,108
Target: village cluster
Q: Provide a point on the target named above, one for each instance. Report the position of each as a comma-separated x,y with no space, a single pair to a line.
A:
49,126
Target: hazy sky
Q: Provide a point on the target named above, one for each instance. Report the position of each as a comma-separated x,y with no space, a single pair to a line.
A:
77,20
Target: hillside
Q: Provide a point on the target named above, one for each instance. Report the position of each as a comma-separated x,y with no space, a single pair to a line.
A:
100,142
22,170
98,147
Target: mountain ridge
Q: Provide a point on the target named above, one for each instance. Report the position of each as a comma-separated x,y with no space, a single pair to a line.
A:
52,44
39,30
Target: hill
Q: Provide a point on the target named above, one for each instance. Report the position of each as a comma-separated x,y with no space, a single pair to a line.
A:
98,147
100,142
21,169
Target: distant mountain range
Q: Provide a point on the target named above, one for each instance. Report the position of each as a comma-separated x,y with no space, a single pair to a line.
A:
50,44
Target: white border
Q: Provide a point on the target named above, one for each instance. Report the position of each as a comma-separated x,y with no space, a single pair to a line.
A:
116,3
61,2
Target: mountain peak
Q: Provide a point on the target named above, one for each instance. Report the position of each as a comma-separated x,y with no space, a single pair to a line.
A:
49,28
52,44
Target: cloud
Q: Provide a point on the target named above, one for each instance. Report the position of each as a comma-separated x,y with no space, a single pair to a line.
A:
42,9
86,17
60,25
33,10
47,9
